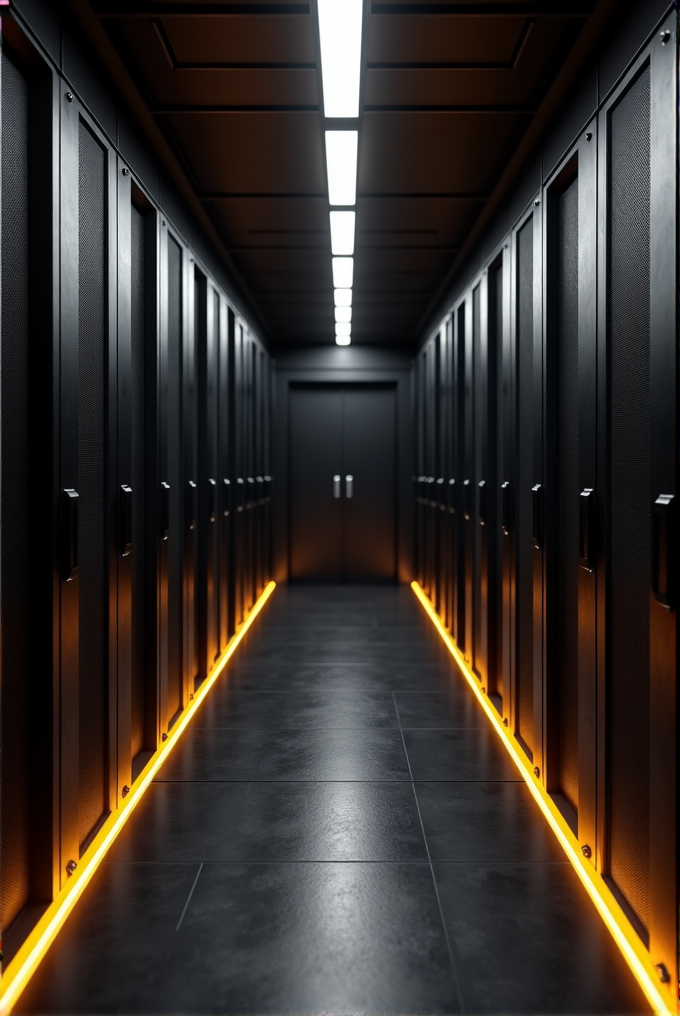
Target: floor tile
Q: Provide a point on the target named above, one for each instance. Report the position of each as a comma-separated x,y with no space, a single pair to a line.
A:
313,706
218,754
527,939
474,754
315,938
119,950
485,822
455,706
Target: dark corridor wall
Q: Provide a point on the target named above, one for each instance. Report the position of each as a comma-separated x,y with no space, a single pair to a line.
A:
546,424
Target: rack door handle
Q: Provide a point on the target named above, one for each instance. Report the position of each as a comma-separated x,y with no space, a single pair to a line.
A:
125,519
663,550
164,510
349,485
466,499
506,508
586,529
482,502
191,504
212,499
336,485
69,526
537,516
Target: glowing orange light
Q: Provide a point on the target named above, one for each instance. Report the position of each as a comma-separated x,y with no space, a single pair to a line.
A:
23,966
634,952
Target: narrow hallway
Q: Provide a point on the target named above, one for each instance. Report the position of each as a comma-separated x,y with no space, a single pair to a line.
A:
338,831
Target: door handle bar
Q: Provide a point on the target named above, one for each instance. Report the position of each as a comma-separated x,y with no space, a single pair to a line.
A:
349,485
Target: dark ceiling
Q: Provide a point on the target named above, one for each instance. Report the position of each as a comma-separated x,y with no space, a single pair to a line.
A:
448,89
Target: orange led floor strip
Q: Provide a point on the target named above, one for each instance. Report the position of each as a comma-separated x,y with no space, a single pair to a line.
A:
634,952
22,967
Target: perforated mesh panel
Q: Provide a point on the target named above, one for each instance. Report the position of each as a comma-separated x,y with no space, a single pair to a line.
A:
567,311
14,878
175,476
525,596
93,610
137,391
478,410
630,523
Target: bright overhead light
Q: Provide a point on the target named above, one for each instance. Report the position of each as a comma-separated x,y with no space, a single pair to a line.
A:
343,272
343,340
343,297
340,37
343,313
342,232
343,328
341,160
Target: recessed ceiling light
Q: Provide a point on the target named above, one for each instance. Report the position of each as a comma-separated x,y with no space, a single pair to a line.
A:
343,272
343,297
342,232
343,313
340,38
343,340
343,328
341,160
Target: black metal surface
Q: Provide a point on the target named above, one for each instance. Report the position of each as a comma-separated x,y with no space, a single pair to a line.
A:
175,475
138,315
568,507
92,514
14,481
628,300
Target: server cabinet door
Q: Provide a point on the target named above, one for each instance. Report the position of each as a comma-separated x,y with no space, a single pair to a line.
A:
472,324
225,399
570,224
638,462
440,485
528,531
459,474
88,481
507,484
206,316
450,484
194,284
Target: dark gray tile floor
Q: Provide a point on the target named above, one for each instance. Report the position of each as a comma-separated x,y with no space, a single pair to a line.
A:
339,832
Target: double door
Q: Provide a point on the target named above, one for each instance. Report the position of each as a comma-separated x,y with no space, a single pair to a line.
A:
342,483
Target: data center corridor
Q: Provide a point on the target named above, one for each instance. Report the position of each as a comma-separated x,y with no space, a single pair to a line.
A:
339,831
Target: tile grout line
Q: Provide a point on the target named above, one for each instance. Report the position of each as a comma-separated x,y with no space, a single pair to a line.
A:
449,947
191,893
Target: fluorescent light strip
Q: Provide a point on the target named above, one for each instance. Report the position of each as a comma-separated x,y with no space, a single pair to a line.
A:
343,328
19,972
626,939
340,23
343,297
341,162
343,340
343,272
342,233
343,314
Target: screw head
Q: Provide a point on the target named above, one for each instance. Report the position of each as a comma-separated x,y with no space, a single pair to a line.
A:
589,136
537,771
126,171
163,222
537,202
665,37
191,695
505,721
662,971
586,851
483,690
126,790
71,866
164,737
69,96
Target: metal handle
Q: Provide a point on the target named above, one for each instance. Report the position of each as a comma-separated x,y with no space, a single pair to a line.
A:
212,499
164,510
506,508
586,529
482,502
440,494
240,493
663,550
349,485
537,516
69,525
226,494
466,499
125,519
336,485
191,504
452,497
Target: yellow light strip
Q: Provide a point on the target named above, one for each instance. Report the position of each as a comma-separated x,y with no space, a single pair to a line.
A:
623,934
24,964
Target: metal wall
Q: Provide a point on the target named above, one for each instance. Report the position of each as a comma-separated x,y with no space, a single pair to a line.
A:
135,483
545,507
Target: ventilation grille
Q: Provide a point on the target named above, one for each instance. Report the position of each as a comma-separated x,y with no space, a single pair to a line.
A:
14,879
138,479
525,593
630,522
93,610
567,311
175,477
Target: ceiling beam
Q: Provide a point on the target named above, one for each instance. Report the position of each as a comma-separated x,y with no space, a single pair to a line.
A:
554,9
175,110
162,9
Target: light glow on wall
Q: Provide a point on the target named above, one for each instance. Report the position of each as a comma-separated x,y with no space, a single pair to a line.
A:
343,297
341,162
343,273
22,967
342,233
340,24
627,940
